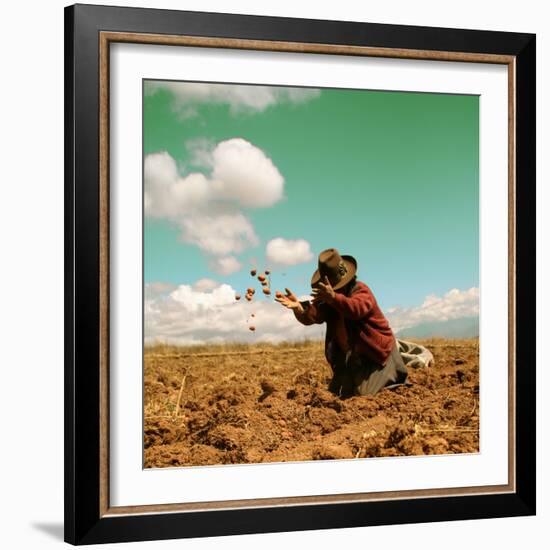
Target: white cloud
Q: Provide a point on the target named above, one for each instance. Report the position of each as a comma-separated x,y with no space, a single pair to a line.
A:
187,96
220,233
225,265
156,289
244,174
209,209
288,252
189,316
455,304
203,285
166,194
194,300
200,152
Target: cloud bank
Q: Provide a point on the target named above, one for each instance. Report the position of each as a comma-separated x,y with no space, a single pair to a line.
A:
188,315
241,99
207,312
455,304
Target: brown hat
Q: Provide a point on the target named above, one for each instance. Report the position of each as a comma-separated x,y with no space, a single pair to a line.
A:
340,270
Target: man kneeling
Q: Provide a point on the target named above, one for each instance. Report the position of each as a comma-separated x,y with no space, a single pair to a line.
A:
359,345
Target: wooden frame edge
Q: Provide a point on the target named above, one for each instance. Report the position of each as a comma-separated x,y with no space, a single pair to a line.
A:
105,39
104,259
307,500
300,47
512,359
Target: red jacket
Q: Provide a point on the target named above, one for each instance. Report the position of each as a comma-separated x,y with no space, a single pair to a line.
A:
369,332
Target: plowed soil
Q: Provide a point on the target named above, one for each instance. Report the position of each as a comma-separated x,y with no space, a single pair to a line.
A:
248,404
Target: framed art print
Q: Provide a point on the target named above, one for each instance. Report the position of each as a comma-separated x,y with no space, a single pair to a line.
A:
299,274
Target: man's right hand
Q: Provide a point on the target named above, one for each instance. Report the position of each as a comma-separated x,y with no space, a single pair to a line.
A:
289,300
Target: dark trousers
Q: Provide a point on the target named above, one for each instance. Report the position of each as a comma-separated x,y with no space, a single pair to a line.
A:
358,375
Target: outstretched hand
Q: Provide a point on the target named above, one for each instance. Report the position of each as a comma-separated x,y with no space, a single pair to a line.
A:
324,292
289,300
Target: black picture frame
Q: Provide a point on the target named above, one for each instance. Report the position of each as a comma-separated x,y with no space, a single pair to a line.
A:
84,521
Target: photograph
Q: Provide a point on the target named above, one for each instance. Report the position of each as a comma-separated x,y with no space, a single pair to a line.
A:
311,274
299,273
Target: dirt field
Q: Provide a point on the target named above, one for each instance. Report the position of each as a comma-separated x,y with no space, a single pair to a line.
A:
246,404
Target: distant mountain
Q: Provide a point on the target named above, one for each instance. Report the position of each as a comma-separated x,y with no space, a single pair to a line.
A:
467,327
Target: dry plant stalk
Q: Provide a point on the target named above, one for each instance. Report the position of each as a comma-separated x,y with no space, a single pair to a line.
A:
176,412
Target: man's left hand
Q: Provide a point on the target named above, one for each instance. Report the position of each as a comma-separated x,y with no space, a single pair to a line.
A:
324,292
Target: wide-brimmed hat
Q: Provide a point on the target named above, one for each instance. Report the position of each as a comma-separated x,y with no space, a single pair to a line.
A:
340,270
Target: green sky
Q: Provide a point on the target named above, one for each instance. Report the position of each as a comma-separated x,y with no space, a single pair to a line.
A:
388,177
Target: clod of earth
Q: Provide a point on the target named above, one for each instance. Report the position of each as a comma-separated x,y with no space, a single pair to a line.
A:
267,388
